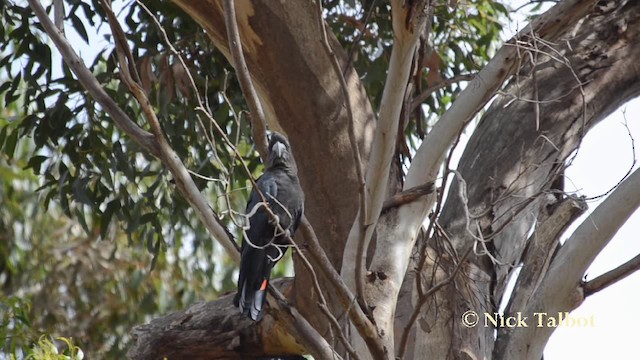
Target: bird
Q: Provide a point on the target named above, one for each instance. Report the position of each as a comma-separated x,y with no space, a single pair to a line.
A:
264,242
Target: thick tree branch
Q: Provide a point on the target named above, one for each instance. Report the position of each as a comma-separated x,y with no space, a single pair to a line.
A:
384,142
609,278
425,166
408,20
258,122
397,231
561,290
541,248
483,87
422,299
213,330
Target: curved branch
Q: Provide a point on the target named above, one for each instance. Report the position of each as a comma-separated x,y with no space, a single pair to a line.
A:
258,122
561,290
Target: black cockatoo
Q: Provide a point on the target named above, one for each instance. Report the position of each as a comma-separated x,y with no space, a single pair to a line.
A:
264,243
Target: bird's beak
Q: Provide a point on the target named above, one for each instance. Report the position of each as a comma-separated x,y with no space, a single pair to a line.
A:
278,148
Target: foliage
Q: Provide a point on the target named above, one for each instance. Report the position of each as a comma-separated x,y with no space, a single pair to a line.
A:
86,214
463,39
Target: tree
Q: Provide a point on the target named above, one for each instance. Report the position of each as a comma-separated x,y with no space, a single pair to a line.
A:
369,149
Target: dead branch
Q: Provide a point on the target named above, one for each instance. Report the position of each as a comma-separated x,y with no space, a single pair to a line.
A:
213,330
611,277
258,122
541,249
407,196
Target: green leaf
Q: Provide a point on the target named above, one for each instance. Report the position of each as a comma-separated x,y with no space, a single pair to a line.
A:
79,27
10,146
36,162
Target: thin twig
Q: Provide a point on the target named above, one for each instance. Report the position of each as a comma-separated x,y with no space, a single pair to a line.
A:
182,178
341,335
365,327
423,299
323,302
633,162
356,43
317,345
91,84
356,159
258,122
202,107
420,98
407,196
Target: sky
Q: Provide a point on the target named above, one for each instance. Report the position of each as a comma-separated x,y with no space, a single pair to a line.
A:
604,157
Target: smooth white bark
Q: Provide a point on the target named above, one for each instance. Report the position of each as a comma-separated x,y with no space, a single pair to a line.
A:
561,289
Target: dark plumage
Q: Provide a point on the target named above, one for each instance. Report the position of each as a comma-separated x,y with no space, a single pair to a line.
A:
260,251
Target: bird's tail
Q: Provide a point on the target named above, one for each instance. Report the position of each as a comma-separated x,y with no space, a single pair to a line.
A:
250,301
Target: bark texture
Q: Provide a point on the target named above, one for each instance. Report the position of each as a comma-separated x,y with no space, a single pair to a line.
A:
510,169
213,330
301,96
514,157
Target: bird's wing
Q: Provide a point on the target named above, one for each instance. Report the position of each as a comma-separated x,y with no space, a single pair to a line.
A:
260,229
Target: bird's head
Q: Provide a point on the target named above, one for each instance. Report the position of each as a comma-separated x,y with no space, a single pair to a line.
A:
280,152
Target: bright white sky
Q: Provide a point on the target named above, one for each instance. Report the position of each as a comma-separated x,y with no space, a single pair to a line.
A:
603,159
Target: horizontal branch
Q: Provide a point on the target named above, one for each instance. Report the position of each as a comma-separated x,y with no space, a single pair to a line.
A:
609,278
213,330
